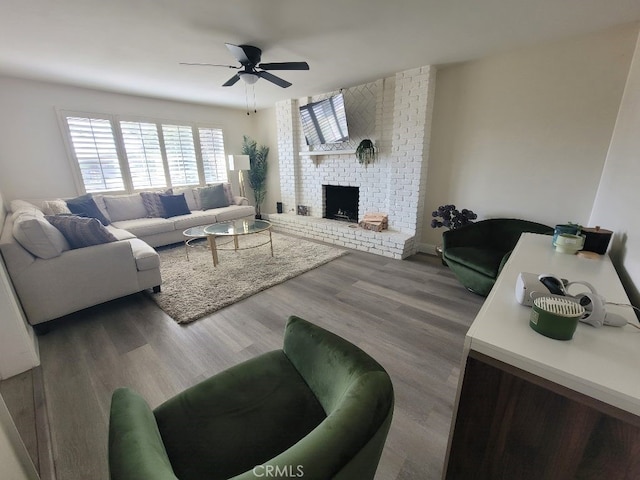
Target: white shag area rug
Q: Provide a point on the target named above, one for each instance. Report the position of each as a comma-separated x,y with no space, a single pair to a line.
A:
193,288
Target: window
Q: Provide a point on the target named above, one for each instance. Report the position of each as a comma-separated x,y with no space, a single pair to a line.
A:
122,155
144,155
213,159
96,154
181,154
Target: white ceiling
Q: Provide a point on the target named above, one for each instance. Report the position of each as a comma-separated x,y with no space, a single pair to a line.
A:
134,46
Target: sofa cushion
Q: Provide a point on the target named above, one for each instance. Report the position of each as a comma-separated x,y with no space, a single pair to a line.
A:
480,259
85,206
125,207
199,217
38,236
119,233
213,197
233,212
146,257
174,205
228,193
152,203
142,227
18,207
55,207
81,231
191,195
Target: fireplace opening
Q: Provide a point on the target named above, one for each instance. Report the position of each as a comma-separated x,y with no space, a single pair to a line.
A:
341,203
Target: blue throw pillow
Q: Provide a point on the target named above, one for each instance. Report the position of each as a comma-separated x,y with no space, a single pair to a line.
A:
85,206
174,205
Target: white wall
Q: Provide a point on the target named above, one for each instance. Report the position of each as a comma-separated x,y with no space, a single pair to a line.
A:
525,134
33,160
618,198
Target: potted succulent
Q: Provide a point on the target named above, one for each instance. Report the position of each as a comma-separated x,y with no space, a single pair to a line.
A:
258,172
366,151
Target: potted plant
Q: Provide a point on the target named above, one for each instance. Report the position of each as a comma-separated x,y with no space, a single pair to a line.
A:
449,216
366,151
258,172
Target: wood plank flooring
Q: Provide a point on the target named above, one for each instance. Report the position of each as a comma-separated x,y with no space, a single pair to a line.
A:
410,315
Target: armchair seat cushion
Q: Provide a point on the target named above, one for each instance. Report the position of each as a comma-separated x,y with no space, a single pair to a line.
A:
483,260
260,407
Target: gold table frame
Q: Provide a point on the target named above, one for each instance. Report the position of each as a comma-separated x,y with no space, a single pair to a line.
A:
235,229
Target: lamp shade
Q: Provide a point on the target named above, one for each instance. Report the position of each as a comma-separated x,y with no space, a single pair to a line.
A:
239,162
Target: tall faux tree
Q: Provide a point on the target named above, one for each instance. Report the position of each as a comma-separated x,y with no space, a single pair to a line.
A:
258,173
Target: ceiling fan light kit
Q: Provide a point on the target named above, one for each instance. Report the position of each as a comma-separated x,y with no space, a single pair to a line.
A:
249,78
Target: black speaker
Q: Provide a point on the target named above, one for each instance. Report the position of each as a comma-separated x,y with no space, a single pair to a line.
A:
279,207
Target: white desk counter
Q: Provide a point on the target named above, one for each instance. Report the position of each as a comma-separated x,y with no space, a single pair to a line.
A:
603,363
531,407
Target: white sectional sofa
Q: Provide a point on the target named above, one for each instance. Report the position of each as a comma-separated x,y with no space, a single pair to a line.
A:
53,279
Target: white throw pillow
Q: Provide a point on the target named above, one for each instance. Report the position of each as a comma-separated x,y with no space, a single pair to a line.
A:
38,236
125,207
55,207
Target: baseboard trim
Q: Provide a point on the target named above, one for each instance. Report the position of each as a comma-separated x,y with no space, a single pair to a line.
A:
43,432
427,248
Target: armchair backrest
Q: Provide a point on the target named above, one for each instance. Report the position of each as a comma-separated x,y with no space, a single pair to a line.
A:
497,233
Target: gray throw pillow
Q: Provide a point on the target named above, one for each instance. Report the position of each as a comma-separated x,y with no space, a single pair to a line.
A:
213,197
81,231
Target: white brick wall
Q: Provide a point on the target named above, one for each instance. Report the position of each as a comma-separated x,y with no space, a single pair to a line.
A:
393,184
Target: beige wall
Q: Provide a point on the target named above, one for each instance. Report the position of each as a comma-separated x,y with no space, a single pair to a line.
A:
267,134
33,160
525,134
618,201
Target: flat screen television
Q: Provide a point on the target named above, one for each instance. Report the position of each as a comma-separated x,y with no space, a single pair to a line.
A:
325,121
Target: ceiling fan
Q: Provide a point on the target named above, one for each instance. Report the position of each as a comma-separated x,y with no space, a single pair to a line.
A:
250,67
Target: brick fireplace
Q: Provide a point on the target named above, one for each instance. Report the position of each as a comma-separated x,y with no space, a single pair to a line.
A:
395,113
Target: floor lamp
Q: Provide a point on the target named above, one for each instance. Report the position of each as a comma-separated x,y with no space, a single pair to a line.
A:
240,163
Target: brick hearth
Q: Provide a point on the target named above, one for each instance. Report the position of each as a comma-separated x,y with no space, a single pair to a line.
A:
389,243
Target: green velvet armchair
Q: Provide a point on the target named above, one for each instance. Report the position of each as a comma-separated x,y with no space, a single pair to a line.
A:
477,252
320,408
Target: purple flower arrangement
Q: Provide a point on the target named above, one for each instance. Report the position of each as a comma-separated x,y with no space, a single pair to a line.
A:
449,216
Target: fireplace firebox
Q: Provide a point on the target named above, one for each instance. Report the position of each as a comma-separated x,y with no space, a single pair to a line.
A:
341,203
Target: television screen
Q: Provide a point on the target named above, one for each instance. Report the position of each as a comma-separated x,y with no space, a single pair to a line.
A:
325,121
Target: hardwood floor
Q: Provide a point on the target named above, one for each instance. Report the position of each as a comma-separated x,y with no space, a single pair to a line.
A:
410,315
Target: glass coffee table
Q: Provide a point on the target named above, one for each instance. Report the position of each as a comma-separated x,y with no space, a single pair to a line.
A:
191,235
235,229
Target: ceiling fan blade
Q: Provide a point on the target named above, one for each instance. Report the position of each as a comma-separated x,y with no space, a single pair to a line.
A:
209,65
285,66
273,79
245,54
231,81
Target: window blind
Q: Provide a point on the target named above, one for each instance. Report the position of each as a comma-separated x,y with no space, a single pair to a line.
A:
96,153
213,158
144,156
181,154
